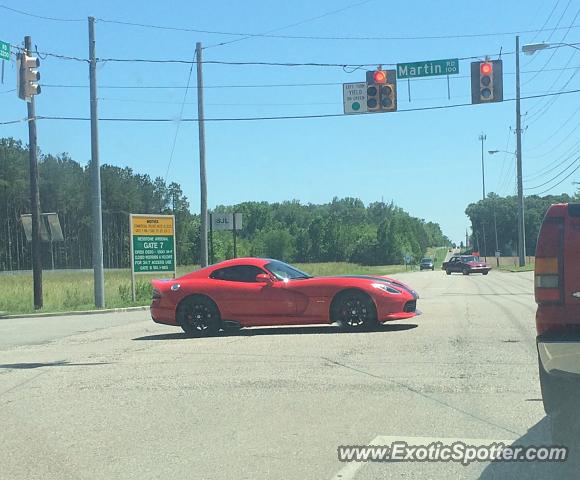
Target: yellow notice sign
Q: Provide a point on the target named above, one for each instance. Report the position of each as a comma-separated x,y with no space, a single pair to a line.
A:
152,225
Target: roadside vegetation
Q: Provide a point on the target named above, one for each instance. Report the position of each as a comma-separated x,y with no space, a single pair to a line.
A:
342,230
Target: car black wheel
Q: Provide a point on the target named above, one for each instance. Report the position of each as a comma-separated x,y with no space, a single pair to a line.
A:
465,271
485,273
448,272
198,316
354,311
432,269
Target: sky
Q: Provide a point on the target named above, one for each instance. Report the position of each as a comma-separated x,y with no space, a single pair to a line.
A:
427,161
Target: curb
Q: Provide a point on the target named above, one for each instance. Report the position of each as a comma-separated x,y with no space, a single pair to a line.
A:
4,316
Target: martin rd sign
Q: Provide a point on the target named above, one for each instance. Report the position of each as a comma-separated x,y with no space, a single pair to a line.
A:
4,51
429,68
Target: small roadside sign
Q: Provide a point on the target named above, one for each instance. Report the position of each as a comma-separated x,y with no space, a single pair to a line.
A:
225,221
354,96
4,50
428,68
152,245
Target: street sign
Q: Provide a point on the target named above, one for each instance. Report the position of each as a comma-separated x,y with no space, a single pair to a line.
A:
429,68
354,97
152,245
225,221
4,51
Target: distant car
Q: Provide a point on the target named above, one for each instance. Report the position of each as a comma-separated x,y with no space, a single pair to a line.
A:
557,292
465,264
427,264
248,292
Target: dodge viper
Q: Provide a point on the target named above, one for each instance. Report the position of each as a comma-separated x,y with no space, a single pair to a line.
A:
246,292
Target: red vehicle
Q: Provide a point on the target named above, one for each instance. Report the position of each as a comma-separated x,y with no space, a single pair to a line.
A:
557,292
465,264
256,292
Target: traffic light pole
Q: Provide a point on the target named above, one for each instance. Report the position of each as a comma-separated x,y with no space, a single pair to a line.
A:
521,223
95,172
34,195
202,174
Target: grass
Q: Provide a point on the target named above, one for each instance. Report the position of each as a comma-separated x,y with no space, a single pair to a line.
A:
438,255
73,290
514,268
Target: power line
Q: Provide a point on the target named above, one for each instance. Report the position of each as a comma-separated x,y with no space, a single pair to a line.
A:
297,37
555,176
332,37
180,117
553,30
549,168
560,182
42,17
555,132
573,150
295,24
266,85
553,52
285,117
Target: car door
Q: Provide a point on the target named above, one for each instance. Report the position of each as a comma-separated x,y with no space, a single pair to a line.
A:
453,264
242,299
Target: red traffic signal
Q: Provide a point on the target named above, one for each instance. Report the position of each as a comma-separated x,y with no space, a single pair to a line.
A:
380,76
486,81
486,68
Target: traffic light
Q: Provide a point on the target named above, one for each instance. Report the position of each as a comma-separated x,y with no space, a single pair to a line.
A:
487,81
27,76
381,91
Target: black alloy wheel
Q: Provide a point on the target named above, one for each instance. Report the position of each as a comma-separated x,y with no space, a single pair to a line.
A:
198,316
355,311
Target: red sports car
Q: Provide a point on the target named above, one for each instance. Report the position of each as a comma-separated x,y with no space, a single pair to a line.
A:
257,292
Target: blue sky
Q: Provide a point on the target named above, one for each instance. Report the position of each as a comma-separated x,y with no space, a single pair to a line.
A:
428,162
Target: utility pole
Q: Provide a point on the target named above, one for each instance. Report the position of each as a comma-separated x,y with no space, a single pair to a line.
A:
202,175
482,138
521,223
34,193
95,172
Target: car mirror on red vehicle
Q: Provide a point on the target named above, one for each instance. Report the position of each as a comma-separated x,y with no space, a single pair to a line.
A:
264,278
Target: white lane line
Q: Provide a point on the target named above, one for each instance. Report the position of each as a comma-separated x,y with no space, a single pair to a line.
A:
349,471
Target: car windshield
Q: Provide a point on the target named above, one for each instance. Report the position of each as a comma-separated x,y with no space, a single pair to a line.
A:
426,260
283,271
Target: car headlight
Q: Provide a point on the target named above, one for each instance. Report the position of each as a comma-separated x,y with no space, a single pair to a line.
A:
386,288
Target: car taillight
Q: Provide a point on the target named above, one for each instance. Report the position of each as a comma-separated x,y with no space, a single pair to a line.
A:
548,272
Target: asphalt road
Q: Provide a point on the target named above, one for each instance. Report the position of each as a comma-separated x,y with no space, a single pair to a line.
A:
117,396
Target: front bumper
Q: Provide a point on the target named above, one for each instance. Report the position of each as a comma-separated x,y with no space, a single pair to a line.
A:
479,269
560,355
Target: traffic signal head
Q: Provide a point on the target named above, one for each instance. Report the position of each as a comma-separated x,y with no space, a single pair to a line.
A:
28,76
382,91
487,81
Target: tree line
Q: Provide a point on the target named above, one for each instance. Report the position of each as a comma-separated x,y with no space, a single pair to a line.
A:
499,214
341,230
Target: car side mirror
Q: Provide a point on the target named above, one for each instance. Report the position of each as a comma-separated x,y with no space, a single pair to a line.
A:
264,278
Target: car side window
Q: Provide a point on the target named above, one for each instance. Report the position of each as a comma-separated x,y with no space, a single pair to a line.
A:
239,273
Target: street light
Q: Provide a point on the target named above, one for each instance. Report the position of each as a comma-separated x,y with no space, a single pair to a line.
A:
532,48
